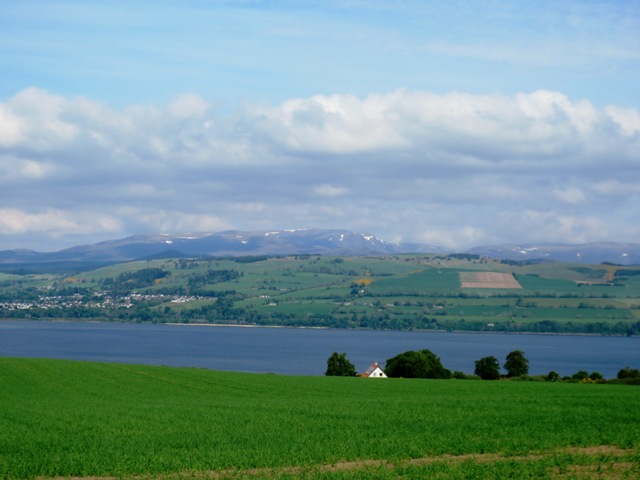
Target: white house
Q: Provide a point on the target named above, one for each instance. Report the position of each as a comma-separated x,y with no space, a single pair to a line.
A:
374,371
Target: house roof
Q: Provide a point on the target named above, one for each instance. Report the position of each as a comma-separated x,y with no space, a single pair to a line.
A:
371,369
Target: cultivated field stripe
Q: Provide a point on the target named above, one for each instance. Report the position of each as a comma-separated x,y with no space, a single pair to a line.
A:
488,280
608,454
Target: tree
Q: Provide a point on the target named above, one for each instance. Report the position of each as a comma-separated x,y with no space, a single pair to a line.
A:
416,364
488,368
516,364
553,376
580,375
338,365
628,372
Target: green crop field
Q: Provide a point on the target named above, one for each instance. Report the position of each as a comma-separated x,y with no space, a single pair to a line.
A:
94,420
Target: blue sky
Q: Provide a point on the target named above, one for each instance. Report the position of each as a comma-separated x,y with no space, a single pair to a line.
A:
451,123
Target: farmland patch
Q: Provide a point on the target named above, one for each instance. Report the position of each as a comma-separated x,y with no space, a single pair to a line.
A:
488,280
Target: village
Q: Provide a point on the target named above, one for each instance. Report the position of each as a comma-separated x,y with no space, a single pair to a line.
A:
96,301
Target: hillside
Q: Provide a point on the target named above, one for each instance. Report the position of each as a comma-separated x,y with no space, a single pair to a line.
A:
397,292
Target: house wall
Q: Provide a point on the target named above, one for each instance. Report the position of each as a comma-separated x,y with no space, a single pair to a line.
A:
377,373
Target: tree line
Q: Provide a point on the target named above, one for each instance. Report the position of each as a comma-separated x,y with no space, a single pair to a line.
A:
425,364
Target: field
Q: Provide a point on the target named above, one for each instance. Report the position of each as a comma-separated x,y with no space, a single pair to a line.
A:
399,292
96,420
488,280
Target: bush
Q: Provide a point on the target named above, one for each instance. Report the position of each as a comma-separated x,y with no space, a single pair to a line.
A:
579,376
624,381
553,376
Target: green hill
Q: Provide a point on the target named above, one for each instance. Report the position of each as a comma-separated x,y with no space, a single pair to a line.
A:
400,292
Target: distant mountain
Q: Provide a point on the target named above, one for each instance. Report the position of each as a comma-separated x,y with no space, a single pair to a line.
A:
300,242
593,253
229,243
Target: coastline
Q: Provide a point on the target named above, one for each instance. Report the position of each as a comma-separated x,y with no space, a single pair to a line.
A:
301,327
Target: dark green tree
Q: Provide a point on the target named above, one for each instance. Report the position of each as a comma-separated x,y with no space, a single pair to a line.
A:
553,376
580,375
516,364
628,372
338,365
416,364
488,368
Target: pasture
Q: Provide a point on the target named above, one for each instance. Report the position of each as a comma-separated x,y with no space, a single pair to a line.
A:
97,420
400,292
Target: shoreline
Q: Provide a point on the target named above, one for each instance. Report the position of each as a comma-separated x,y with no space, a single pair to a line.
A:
478,332
563,334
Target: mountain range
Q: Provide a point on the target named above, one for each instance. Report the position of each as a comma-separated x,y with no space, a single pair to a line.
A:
300,242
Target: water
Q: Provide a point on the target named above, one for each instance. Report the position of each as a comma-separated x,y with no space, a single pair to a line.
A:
293,351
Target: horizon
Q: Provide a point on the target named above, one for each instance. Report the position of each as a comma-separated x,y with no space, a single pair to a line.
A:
275,231
450,124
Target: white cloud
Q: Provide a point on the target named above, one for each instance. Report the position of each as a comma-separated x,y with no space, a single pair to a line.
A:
160,219
470,129
455,169
553,109
552,226
617,188
627,119
330,191
188,105
15,169
570,195
452,237
335,123
56,223
41,115
10,127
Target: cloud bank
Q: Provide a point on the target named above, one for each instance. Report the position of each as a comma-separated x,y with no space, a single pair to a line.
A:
452,169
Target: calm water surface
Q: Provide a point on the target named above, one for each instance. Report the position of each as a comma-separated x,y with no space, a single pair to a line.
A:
295,351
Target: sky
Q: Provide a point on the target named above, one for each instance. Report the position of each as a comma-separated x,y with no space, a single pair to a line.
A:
450,123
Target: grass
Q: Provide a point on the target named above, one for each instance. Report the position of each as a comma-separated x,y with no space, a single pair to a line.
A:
63,418
431,279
